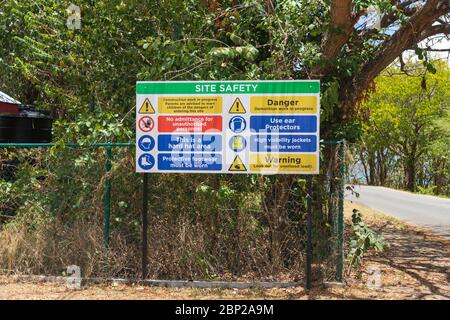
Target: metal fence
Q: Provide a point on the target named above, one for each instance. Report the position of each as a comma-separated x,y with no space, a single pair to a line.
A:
82,205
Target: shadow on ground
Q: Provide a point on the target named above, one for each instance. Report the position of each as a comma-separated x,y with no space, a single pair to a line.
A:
418,263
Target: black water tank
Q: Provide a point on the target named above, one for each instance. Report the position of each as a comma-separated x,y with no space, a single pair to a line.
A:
26,126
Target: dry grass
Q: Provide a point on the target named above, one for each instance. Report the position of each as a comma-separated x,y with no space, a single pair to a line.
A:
178,249
415,266
51,246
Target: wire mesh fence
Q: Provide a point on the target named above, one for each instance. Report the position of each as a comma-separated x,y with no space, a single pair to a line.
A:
75,205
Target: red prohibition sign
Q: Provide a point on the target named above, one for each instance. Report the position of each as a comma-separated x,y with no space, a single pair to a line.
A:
146,124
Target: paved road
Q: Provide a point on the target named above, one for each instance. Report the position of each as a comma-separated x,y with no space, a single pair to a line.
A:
425,211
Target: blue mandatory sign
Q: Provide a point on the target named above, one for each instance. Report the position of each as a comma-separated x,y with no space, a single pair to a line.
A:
283,143
237,124
146,161
189,143
190,161
283,124
146,143
237,143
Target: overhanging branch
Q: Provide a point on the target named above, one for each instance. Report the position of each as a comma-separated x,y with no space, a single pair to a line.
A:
419,27
435,30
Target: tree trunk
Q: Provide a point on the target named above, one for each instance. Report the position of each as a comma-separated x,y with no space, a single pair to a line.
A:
363,162
372,170
381,167
410,170
439,178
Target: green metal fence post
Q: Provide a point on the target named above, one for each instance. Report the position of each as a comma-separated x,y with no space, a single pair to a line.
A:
340,222
108,195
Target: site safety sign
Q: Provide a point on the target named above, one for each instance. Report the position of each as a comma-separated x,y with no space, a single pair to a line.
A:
264,127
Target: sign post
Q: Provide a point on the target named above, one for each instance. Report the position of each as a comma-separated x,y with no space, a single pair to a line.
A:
235,127
145,226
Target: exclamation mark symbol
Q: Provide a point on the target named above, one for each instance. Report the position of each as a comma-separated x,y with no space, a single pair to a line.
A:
146,106
237,107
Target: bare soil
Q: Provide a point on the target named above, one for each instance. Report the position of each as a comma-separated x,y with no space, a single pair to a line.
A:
416,265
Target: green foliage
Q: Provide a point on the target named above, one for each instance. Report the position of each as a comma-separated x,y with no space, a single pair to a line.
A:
247,52
426,190
92,71
329,101
406,132
362,241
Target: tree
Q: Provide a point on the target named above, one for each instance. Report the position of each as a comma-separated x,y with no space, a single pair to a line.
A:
402,123
212,39
372,51
440,156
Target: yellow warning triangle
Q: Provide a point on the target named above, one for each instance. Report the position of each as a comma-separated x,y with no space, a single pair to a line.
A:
146,107
237,107
237,165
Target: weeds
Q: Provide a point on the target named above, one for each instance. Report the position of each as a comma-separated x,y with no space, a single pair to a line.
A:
363,240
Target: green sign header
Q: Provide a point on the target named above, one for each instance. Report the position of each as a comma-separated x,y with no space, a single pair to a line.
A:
228,87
